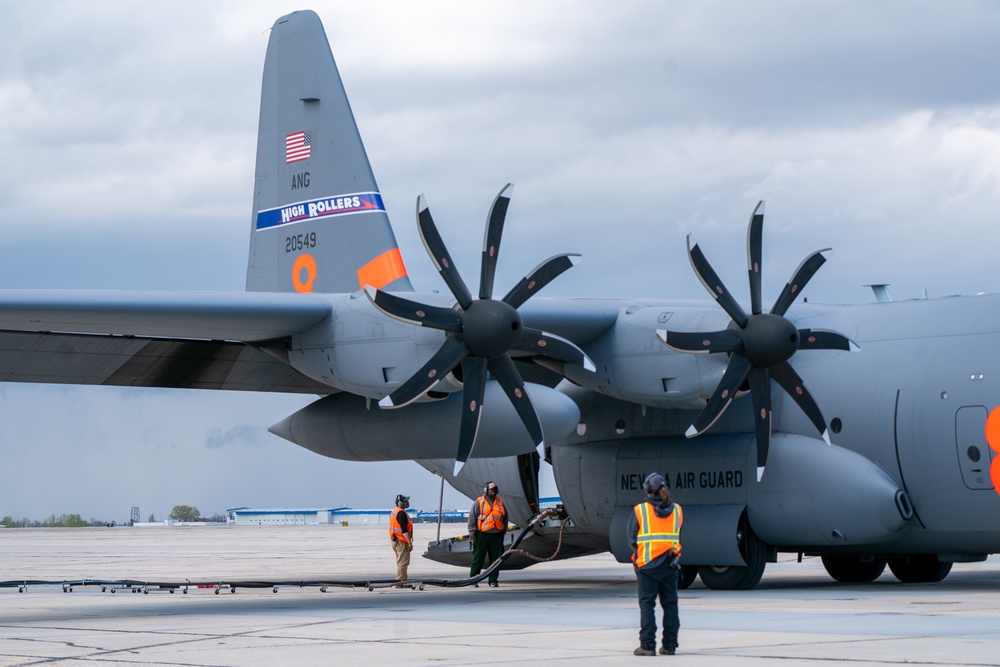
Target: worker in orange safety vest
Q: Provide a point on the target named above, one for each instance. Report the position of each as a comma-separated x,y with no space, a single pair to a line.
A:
654,532
401,535
487,527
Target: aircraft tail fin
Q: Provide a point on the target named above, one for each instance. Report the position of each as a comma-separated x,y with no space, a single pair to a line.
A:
318,223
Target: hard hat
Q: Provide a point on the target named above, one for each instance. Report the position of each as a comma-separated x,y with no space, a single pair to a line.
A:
654,482
400,499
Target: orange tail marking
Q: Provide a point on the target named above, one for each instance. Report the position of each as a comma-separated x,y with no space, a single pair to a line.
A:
304,273
382,270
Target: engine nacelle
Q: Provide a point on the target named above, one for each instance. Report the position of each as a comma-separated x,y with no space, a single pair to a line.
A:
634,365
362,351
353,428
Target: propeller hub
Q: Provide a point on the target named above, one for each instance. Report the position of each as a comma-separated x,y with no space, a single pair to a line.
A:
768,340
490,328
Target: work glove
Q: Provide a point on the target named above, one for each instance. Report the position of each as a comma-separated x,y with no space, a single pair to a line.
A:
409,546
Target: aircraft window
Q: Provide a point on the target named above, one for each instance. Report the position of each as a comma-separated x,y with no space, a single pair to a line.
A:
620,427
581,429
973,454
836,425
944,395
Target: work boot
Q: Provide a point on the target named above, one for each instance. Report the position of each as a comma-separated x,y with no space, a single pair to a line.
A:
643,651
494,584
667,651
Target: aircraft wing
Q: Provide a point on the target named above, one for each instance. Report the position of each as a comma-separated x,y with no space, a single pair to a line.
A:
202,340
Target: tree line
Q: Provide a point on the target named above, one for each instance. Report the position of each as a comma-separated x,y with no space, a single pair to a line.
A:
178,513
61,521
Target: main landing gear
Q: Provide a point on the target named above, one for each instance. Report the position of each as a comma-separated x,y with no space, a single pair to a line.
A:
909,569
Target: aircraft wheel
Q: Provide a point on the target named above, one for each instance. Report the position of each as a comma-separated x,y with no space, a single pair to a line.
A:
919,569
686,576
738,578
854,569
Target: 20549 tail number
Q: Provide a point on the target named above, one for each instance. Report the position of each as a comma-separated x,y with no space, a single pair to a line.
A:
300,242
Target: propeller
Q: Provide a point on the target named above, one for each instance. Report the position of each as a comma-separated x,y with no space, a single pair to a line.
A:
759,344
481,331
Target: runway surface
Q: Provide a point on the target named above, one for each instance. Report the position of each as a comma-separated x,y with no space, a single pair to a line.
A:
574,612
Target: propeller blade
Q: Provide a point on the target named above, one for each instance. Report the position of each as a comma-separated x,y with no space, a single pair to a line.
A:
724,394
474,381
824,340
760,394
414,313
807,269
491,240
540,343
710,279
755,236
727,340
790,381
506,374
539,277
443,362
439,255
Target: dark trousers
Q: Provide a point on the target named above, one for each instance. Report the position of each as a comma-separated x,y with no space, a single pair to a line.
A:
660,582
486,548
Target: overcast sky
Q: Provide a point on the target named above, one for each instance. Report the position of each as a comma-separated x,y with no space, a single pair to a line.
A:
128,139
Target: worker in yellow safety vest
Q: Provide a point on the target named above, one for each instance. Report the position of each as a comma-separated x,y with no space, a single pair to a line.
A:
487,527
401,535
654,531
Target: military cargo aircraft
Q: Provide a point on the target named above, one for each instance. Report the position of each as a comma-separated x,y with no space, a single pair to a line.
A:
863,434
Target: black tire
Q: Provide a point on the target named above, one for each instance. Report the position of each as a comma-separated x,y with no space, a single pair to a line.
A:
919,569
686,576
854,569
738,578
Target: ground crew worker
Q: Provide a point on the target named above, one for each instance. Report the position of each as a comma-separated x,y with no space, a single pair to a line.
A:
401,535
487,527
654,531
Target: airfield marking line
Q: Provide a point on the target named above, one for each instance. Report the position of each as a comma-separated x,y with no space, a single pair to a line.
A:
195,638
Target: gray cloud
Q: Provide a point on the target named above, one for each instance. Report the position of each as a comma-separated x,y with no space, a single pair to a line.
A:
238,436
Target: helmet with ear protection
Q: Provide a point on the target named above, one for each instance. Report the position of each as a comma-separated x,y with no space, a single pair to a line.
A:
654,482
401,499
490,485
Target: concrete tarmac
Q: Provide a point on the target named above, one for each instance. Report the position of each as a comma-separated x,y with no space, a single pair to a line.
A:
581,611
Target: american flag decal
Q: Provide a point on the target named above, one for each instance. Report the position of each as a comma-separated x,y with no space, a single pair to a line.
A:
297,147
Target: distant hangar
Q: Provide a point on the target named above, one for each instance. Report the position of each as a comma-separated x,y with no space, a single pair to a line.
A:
340,516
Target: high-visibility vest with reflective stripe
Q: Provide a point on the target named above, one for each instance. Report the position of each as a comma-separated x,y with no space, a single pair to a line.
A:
490,518
657,535
395,530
